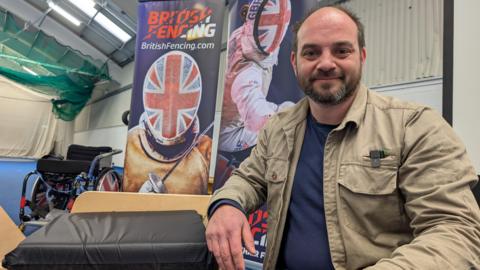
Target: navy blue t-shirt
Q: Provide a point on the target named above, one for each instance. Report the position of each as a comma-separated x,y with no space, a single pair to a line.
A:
305,242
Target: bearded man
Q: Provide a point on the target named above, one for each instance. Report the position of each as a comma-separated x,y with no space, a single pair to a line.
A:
352,179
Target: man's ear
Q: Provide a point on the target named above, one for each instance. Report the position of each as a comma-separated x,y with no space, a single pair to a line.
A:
363,55
293,59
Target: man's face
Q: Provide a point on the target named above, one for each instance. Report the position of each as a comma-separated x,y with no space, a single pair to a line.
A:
328,61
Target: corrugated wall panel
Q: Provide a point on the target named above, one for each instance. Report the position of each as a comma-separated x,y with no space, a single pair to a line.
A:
404,39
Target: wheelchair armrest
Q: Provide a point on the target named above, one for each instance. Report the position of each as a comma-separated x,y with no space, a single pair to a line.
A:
101,156
104,155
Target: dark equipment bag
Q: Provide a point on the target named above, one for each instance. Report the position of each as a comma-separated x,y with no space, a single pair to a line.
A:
116,240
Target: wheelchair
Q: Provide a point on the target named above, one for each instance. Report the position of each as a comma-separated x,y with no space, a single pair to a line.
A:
59,181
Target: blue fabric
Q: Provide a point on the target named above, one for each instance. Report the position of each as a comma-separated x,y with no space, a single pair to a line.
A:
213,207
305,241
12,172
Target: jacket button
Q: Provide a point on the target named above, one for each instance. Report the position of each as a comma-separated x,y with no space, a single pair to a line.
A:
274,176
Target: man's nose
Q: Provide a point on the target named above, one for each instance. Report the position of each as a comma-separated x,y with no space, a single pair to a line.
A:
326,62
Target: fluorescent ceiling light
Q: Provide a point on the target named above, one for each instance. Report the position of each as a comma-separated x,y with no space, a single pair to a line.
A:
64,13
30,71
112,27
88,7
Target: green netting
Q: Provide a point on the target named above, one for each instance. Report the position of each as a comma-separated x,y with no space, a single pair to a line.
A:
60,71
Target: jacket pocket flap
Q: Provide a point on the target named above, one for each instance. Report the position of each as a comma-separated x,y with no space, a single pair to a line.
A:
276,170
368,180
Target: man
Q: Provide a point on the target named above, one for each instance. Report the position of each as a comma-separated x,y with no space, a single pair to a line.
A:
394,188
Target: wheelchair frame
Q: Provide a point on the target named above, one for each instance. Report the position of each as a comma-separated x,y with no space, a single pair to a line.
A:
59,189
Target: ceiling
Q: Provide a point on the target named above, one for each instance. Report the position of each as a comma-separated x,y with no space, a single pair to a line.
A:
121,12
128,6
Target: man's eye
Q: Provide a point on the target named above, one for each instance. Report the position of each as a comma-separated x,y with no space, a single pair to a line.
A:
309,53
343,52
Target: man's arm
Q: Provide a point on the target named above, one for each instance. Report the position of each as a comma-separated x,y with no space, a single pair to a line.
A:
226,230
435,178
228,225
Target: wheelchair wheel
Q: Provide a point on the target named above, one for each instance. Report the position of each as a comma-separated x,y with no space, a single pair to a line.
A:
38,202
108,180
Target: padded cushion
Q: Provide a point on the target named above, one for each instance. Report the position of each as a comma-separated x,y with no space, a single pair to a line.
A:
63,166
116,240
88,153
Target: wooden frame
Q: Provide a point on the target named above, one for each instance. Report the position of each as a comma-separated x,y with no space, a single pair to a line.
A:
94,201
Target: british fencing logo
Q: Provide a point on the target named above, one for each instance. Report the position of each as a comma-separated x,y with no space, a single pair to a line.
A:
171,96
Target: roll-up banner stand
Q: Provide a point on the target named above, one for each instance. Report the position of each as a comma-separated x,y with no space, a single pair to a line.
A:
173,99
259,81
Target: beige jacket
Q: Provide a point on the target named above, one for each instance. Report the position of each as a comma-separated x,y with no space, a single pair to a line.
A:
414,210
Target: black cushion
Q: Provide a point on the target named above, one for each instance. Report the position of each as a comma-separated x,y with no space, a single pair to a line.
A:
122,240
63,166
88,153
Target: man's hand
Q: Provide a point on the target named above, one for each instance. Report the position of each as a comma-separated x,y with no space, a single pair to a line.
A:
226,229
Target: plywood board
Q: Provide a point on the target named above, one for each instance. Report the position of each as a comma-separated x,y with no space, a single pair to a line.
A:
10,235
94,201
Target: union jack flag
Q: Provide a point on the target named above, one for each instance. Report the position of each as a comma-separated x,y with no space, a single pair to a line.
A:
171,95
108,182
271,25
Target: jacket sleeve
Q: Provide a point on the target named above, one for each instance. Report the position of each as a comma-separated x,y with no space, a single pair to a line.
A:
247,185
435,178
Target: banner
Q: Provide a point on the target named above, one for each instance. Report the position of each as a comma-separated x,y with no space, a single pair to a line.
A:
259,81
173,97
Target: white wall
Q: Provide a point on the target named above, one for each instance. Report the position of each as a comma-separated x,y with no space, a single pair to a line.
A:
403,39
427,92
100,123
115,137
466,92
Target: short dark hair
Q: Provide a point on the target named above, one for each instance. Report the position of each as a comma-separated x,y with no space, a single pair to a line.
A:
351,14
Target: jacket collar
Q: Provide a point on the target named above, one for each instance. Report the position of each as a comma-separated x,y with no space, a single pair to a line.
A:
296,114
356,113
290,118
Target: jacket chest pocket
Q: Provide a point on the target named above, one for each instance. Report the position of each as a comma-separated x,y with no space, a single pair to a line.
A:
370,202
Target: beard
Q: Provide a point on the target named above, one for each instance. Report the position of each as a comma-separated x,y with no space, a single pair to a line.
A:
326,94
